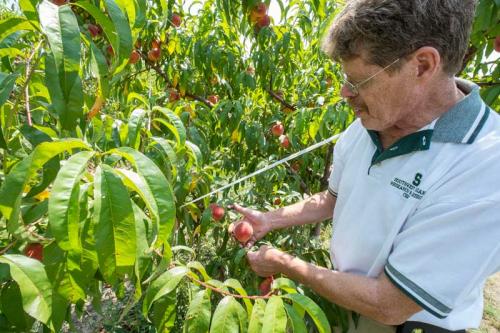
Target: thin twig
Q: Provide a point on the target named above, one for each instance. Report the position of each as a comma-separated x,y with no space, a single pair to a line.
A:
5,249
487,84
279,98
29,73
226,293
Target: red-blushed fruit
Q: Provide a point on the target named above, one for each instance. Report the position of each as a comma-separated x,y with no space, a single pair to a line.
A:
134,57
284,141
155,44
217,212
277,201
59,2
94,30
264,21
214,99
34,250
110,50
154,54
258,12
173,95
176,20
277,129
497,44
243,231
138,44
265,285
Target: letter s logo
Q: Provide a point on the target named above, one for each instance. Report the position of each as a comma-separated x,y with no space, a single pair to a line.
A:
418,179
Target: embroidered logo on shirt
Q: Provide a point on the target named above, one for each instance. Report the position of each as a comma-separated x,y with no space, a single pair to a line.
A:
410,190
418,178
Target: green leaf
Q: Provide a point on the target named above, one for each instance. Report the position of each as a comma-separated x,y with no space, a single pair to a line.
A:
274,316
165,312
142,257
28,8
158,186
175,124
312,309
64,210
123,44
64,271
226,318
12,307
100,69
7,82
285,284
199,267
257,317
15,182
13,24
63,64
298,325
100,18
195,152
115,239
164,284
236,285
134,128
35,288
199,313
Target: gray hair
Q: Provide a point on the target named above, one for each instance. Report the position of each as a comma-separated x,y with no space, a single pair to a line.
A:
390,29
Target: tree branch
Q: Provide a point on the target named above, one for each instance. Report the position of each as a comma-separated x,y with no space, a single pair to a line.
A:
169,84
279,98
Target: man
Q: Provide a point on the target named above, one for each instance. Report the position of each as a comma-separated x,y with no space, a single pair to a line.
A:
414,188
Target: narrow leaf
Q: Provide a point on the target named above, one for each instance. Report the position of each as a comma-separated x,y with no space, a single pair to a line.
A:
164,284
64,225
312,309
114,224
257,317
199,313
225,318
274,316
35,288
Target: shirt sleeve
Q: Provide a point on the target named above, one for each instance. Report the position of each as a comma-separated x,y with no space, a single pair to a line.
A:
338,166
444,252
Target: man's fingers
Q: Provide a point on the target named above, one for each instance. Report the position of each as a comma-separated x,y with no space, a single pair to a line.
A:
242,210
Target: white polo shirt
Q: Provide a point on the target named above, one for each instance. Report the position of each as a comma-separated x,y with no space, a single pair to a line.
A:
425,210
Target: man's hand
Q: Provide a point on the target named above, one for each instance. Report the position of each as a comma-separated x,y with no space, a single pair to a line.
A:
258,220
265,261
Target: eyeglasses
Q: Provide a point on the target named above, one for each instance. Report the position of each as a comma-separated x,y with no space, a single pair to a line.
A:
354,88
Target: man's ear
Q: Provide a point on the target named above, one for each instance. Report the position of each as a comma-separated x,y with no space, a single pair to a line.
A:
427,62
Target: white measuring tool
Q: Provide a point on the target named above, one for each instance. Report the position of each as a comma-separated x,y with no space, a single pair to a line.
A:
270,166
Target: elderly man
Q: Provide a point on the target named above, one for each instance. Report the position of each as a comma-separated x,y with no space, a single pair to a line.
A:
414,188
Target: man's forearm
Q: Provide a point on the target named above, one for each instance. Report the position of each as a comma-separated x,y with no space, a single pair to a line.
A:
316,208
371,297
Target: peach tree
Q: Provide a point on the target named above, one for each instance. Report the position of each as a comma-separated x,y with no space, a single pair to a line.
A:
115,115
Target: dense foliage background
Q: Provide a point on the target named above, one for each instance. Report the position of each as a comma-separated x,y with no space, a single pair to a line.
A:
115,114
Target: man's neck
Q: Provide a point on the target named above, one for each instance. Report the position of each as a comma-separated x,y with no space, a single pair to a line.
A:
439,101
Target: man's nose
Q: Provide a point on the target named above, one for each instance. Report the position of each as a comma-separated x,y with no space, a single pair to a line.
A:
345,92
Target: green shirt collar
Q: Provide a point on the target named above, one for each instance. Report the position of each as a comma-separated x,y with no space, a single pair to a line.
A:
461,124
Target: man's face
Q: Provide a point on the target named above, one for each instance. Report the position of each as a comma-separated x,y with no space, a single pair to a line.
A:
384,101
